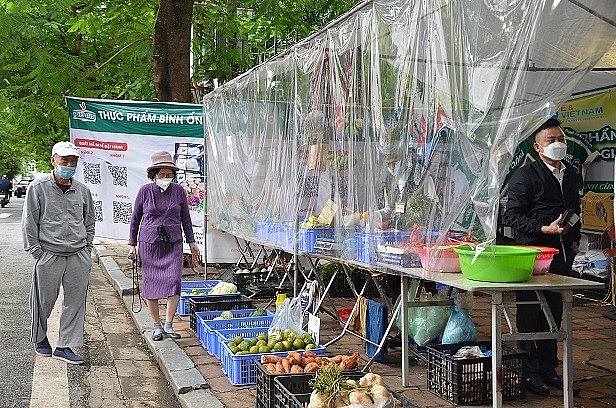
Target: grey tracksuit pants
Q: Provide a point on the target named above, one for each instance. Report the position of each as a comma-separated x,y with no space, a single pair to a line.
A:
51,272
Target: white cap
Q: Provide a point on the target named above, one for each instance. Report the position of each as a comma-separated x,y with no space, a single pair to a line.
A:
65,149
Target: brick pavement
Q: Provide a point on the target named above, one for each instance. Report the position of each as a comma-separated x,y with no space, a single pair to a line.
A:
594,357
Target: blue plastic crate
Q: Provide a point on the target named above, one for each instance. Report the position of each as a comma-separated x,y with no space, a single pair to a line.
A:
308,236
210,327
202,317
270,232
405,260
367,242
199,284
224,336
261,229
242,370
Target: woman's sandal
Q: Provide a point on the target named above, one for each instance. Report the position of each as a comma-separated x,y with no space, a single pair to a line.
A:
157,334
172,334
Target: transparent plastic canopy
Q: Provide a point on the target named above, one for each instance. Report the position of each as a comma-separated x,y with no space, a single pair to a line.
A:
396,124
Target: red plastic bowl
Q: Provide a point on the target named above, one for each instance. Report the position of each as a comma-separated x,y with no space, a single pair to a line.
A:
438,259
544,259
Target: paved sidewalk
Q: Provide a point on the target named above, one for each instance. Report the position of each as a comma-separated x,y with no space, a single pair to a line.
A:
198,381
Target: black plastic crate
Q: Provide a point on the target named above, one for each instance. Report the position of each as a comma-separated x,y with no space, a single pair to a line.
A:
293,390
469,381
266,389
598,293
241,280
265,392
214,303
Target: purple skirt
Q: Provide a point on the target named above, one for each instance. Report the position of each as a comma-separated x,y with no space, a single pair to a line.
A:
161,269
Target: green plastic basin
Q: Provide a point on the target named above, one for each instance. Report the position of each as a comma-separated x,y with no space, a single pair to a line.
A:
497,263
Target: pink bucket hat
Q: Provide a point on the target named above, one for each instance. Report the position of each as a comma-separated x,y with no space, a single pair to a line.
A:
162,160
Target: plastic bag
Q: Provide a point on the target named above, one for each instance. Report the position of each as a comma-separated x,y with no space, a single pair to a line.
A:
425,323
460,327
287,317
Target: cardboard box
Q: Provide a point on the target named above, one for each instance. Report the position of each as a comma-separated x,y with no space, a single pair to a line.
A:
597,211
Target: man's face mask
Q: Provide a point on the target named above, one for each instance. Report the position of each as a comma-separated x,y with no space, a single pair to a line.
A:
555,151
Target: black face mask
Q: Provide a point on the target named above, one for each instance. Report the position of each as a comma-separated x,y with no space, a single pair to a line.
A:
162,234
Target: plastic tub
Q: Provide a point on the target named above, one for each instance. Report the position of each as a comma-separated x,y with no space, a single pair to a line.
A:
544,259
438,259
497,263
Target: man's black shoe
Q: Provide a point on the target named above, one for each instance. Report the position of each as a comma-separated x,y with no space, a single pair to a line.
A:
43,348
553,380
537,386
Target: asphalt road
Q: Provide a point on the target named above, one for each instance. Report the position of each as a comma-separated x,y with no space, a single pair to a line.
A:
119,371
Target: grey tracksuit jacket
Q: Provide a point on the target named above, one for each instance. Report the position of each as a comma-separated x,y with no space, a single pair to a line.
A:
62,224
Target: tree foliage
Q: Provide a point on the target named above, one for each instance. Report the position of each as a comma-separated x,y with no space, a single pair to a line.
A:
104,49
233,36
53,49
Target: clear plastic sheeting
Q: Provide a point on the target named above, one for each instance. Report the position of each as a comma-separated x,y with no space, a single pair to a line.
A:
394,126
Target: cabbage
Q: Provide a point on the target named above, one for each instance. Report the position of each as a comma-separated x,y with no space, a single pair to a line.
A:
223,288
226,315
258,312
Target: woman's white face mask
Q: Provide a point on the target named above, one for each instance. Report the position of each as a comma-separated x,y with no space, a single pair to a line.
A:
555,151
163,183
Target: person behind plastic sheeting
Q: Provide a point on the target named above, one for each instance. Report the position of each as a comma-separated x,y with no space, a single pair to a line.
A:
160,213
58,229
540,193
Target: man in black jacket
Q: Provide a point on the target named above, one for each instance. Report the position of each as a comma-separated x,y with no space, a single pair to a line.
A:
538,196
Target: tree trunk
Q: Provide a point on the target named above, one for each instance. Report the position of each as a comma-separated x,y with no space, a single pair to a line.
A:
172,50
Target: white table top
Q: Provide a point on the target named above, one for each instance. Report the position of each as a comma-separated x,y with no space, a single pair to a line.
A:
536,282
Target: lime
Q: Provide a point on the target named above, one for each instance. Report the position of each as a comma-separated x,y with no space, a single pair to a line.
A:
263,337
244,346
238,339
307,338
264,349
279,346
234,349
254,349
253,342
261,343
298,344
275,334
287,345
310,346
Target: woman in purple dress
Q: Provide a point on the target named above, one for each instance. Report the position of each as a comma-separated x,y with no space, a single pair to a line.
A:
159,215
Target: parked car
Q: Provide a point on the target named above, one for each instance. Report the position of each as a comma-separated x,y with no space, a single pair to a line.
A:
19,189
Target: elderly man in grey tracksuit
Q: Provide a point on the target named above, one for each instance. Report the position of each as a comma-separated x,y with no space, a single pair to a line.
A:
58,229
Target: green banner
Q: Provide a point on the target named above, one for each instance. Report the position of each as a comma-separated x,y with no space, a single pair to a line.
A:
142,118
593,118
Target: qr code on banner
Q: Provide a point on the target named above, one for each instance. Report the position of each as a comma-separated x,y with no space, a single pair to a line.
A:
122,212
311,186
98,211
92,173
118,173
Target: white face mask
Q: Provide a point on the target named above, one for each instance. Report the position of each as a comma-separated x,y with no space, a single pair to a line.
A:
555,151
163,183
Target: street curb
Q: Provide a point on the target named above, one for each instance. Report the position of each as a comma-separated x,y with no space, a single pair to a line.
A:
189,385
